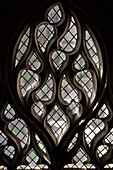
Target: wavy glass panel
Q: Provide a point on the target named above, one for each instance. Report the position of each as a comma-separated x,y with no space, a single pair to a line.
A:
102,150
103,112
92,128
87,82
33,62
58,123
23,46
9,113
40,143
73,142
58,59
46,92
75,109
79,63
19,129
55,14
94,50
3,139
44,33
67,92
38,109
109,137
69,40
27,81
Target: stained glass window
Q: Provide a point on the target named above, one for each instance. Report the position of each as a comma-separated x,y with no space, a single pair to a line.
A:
59,123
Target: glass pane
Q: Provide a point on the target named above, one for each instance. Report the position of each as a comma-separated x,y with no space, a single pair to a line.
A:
68,42
93,127
58,123
23,45
46,92
55,14
44,34
58,58
28,80
3,139
9,151
19,129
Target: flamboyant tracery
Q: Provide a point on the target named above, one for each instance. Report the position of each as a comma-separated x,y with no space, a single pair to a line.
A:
61,78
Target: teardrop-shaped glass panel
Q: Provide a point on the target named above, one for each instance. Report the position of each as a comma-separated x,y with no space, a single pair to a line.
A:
55,14
68,42
23,46
27,80
43,35
92,128
19,128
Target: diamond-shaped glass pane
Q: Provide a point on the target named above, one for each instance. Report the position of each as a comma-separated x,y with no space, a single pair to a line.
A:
9,112
23,45
93,50
75,109
58,123
85,79
44,34
58,58
19,129
93,127
38,109
34,62
102,150
9,151
54,14
40,143
46,92
32,159
73,142
3,138
103,112
79,63
80,158
109,137
68,42
67,92
28,80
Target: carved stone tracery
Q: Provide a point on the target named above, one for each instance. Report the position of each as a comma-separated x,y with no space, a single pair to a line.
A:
58,83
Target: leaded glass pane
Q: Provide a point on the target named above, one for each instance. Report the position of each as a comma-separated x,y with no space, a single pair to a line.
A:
53,117
55,14
44,34
9,151
93,127
68,42
3,138
19,129
23,45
